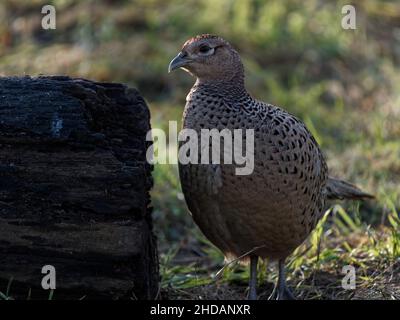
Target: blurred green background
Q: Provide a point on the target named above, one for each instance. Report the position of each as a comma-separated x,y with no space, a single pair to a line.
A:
344,84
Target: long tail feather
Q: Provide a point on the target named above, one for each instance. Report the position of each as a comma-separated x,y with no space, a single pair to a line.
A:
339,189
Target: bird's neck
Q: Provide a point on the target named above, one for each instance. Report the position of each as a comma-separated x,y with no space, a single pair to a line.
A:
230,88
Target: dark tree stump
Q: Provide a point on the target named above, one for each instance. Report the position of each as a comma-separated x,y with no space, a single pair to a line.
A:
74,189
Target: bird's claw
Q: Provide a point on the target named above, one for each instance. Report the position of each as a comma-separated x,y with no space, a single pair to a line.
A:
281,294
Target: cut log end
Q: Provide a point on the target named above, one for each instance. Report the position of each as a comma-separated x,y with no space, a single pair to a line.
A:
74,189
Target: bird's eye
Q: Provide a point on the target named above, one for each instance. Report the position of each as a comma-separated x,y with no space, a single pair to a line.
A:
206,50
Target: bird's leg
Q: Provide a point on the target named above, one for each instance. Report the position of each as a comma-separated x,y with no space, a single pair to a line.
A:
253,278
281,291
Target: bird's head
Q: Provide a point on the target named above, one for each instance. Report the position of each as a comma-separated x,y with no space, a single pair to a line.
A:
209,58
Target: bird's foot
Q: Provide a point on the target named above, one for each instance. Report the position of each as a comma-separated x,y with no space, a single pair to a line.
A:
283,293
252,295
286,295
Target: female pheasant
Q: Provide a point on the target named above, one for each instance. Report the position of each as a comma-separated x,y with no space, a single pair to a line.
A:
271,211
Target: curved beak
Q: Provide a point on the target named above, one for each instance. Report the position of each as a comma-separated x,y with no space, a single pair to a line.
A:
179,61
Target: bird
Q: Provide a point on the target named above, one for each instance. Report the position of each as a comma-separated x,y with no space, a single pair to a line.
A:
266,214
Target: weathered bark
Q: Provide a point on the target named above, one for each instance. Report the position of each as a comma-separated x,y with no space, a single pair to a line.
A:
74,189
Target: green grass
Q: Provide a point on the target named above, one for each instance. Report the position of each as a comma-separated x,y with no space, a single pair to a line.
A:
315,268
344,84
7,295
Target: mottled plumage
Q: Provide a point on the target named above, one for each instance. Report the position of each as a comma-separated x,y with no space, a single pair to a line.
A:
275,208
279,203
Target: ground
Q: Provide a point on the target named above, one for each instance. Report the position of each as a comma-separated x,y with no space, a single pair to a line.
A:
344,84
315,270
